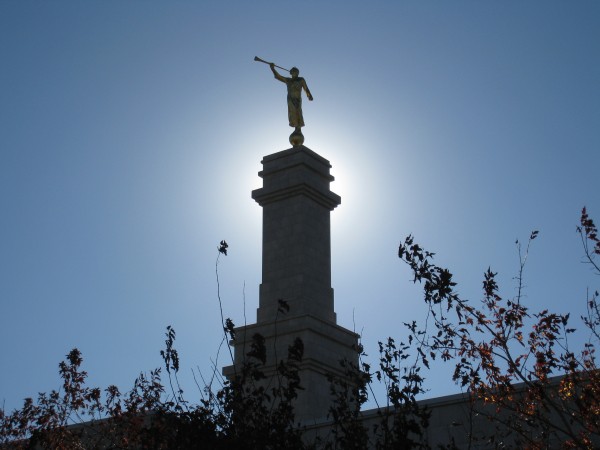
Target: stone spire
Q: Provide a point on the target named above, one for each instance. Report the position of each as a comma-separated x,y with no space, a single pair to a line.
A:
296,268
296,251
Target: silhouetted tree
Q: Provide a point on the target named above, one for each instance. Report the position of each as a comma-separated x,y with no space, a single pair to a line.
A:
538,388
237,416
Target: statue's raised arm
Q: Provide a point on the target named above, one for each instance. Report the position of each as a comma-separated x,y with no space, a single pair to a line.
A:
277,75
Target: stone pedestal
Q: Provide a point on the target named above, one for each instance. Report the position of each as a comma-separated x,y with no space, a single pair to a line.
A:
296,268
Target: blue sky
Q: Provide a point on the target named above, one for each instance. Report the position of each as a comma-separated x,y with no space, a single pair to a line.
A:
131,135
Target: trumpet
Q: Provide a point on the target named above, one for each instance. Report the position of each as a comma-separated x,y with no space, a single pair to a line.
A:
256,58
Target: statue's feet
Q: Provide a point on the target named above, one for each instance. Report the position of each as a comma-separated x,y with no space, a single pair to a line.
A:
297,138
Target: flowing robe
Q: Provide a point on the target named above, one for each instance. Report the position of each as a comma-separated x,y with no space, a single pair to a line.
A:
294,101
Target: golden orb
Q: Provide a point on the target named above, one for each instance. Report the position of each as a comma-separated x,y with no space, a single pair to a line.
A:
297,138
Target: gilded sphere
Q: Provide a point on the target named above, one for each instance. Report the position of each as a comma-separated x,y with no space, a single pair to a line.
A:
296,138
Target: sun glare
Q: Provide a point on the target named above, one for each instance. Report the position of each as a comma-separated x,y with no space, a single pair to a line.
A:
353,173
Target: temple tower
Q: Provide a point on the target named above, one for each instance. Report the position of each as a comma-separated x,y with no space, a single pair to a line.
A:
296,268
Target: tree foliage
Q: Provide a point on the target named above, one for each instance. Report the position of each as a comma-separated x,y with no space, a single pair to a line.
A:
517,361
240,415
